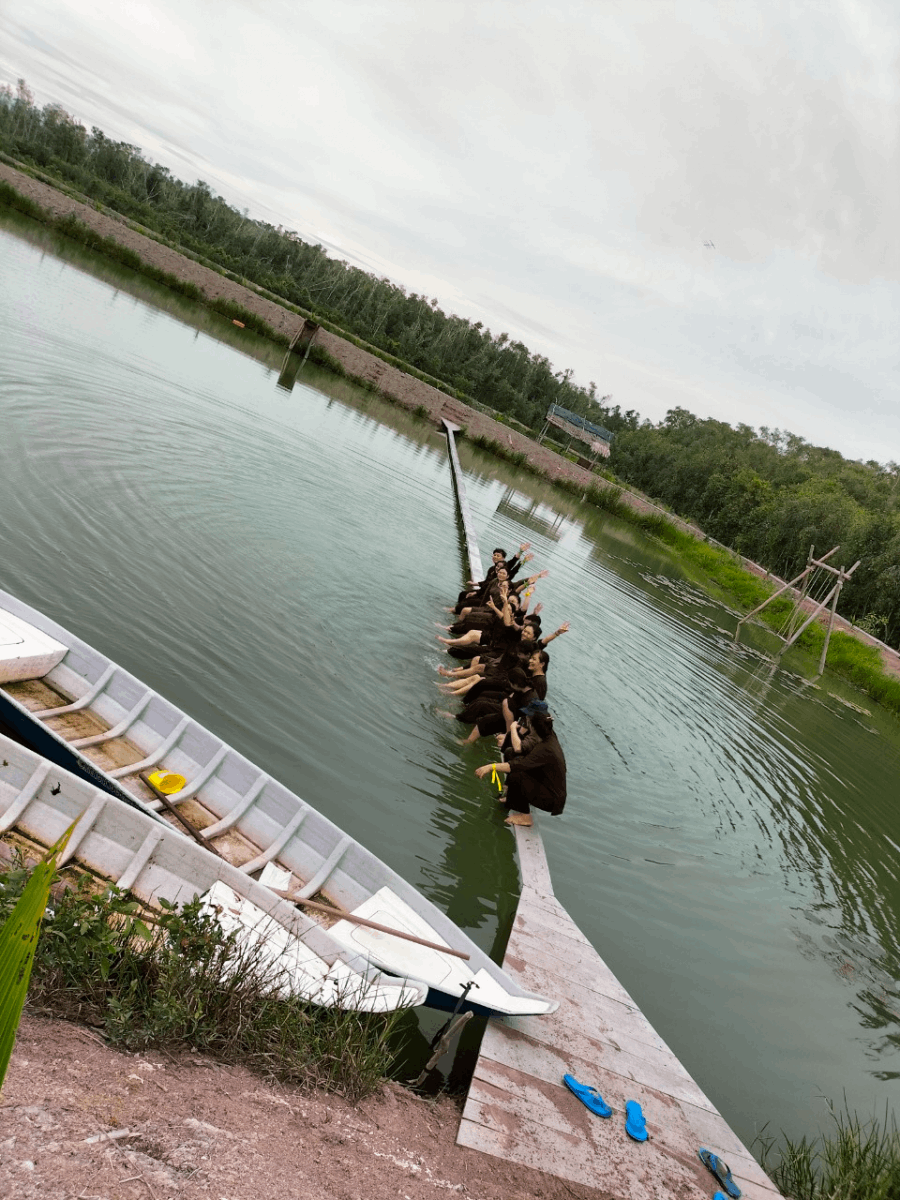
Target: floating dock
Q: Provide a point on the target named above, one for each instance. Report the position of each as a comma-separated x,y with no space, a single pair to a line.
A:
518,1108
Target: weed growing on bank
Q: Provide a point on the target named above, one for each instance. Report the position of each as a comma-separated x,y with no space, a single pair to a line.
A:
518,458
174,979
857,1161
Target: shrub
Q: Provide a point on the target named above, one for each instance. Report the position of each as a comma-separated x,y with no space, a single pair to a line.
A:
174,978
13,199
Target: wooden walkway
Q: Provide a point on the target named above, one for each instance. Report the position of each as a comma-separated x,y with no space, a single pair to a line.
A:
462,500
518,1108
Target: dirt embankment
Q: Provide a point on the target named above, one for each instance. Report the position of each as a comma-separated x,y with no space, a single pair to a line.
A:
403,389
79,1120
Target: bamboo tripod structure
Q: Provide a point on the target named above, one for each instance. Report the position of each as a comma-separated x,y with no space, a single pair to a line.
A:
830,601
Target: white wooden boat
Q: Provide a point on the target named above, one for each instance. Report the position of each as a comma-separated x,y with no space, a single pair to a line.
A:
120,844
80,710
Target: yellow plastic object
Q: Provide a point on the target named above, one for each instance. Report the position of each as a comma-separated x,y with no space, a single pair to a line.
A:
167,782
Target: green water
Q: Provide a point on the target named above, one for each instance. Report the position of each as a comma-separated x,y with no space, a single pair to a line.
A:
274,562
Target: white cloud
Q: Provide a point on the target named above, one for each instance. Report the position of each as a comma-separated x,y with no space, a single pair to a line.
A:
552,172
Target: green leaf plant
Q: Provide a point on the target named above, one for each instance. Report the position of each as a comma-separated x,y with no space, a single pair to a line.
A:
18,941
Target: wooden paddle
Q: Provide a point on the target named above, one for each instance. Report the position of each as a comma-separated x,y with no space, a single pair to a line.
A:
314,904
170,807
364,921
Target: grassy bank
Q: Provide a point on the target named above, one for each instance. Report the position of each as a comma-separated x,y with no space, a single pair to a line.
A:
858,1160
174,979
723,572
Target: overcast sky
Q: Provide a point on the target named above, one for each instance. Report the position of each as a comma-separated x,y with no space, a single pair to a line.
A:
552,169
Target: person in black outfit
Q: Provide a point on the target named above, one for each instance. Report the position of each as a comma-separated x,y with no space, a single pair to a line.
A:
537,778
473,593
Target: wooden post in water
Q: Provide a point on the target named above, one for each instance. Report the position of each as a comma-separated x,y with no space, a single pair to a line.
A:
304,338
844,575
301,341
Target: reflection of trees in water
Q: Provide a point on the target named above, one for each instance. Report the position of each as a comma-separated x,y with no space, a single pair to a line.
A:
528,512
475,881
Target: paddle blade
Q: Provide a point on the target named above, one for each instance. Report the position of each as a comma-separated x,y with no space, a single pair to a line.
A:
18,940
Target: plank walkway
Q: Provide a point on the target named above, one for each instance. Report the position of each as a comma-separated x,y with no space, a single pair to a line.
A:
518,1108
462,500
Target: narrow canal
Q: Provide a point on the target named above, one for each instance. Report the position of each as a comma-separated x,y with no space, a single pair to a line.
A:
274,562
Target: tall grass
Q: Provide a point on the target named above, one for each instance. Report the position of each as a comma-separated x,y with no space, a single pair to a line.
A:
175,979
859,1160
518,458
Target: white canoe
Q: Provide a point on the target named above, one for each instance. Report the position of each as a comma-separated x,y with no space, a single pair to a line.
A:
120,844
75,707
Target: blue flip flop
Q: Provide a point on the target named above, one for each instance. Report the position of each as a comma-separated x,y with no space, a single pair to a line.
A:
635,1125
588,1096
721,1170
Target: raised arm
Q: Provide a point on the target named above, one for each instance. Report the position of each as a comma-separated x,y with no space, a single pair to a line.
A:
564,628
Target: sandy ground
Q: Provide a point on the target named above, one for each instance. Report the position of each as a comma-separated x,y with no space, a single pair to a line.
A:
190,1128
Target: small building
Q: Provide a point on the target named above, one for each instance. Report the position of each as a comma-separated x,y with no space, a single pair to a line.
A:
579,429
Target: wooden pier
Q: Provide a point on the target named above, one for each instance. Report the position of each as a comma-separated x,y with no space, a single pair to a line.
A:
518,1108
471,540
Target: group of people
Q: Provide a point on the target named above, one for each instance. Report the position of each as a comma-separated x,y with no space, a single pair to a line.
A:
503,685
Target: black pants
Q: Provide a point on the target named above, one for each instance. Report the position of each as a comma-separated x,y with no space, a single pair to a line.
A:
524,790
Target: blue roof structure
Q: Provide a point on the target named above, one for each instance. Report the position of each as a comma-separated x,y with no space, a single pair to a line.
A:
597,431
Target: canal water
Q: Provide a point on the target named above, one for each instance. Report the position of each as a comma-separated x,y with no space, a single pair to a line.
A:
274,561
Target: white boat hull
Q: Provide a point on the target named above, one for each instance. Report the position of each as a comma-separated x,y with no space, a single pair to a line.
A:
92,716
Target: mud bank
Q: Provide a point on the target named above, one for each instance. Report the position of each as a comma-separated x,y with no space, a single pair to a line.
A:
78,1119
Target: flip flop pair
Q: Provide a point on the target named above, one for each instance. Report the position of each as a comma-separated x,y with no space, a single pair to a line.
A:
635,1125
722,1172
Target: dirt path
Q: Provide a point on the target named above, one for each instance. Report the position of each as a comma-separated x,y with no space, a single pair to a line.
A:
191,1129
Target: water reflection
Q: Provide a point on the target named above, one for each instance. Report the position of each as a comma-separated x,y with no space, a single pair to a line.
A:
274,565
531,513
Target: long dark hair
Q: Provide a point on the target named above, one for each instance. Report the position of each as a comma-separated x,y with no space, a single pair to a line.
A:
542,724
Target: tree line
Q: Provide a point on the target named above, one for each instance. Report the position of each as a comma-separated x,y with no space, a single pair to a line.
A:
494,370
768,494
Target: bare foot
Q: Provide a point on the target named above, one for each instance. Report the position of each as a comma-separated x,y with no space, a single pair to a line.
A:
446,641
517,818
438,625
441,713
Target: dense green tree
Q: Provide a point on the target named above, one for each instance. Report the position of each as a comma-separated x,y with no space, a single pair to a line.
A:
769,493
